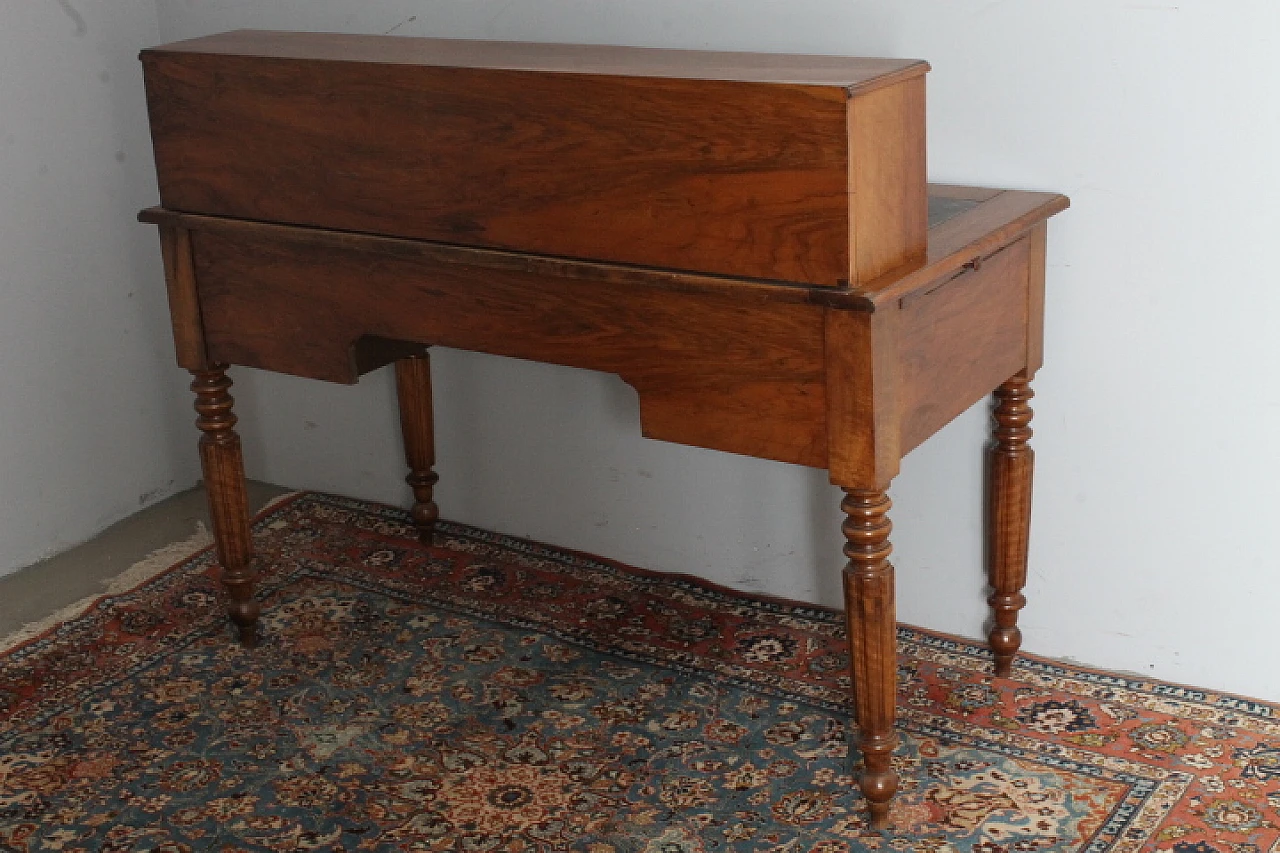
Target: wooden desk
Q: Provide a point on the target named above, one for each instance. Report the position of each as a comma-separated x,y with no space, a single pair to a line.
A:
735,336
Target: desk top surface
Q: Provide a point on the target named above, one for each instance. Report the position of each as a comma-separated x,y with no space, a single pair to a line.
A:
852,73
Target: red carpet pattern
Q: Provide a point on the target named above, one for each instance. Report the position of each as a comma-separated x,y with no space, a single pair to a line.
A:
492,694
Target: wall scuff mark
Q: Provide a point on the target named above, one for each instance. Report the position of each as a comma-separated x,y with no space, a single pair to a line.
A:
74,14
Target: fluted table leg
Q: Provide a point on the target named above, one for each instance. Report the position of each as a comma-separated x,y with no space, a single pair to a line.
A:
413,386
223,464
873,642
1012,464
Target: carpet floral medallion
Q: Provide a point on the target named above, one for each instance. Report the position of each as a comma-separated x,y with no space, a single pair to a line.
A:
490,694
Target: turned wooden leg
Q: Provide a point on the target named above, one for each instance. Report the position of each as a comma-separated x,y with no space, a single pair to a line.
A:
413,385
223,465
873,642
1012,462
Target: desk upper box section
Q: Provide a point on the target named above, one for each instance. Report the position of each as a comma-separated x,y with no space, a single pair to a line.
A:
794,168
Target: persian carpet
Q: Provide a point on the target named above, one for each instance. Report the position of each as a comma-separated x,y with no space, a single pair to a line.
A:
492,694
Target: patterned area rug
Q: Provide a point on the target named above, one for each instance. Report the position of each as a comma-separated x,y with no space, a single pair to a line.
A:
491,694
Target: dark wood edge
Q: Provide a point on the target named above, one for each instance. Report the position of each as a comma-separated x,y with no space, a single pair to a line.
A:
371,352
999,218
936,285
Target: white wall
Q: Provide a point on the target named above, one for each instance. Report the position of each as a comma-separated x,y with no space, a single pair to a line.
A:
1156,541
89,397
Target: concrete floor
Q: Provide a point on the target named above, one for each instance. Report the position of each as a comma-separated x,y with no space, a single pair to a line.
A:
37,591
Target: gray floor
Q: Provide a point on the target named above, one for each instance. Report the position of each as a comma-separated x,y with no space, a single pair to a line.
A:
35,592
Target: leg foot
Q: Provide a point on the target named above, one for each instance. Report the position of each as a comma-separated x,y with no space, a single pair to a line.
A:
413,386
223,465
1012,464
873,643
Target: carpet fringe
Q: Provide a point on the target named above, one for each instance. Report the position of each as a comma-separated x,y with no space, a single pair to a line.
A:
153,564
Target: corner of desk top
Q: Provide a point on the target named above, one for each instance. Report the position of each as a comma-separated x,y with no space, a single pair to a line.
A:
998,218
213,41
908,69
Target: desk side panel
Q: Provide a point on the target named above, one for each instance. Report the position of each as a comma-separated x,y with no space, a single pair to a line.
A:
888,188
959,339
734,374
738,178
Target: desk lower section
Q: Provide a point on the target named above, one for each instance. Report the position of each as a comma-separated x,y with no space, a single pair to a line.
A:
737,366
719,372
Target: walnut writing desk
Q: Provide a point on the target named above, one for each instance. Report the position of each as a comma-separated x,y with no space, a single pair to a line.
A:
748,240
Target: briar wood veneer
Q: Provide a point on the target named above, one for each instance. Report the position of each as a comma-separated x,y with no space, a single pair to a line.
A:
792,168
751,333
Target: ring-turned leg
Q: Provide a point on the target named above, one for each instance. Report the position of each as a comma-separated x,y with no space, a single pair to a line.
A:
1012,463
413,386
873,642
223,465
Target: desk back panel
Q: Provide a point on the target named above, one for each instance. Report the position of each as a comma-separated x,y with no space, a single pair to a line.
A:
734,374
761,177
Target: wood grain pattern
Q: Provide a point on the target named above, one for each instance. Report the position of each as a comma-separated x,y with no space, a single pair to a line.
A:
873,642
1011,465
960,340
712,371
861,356
223,465
731,177
888,197
417,424
184,302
